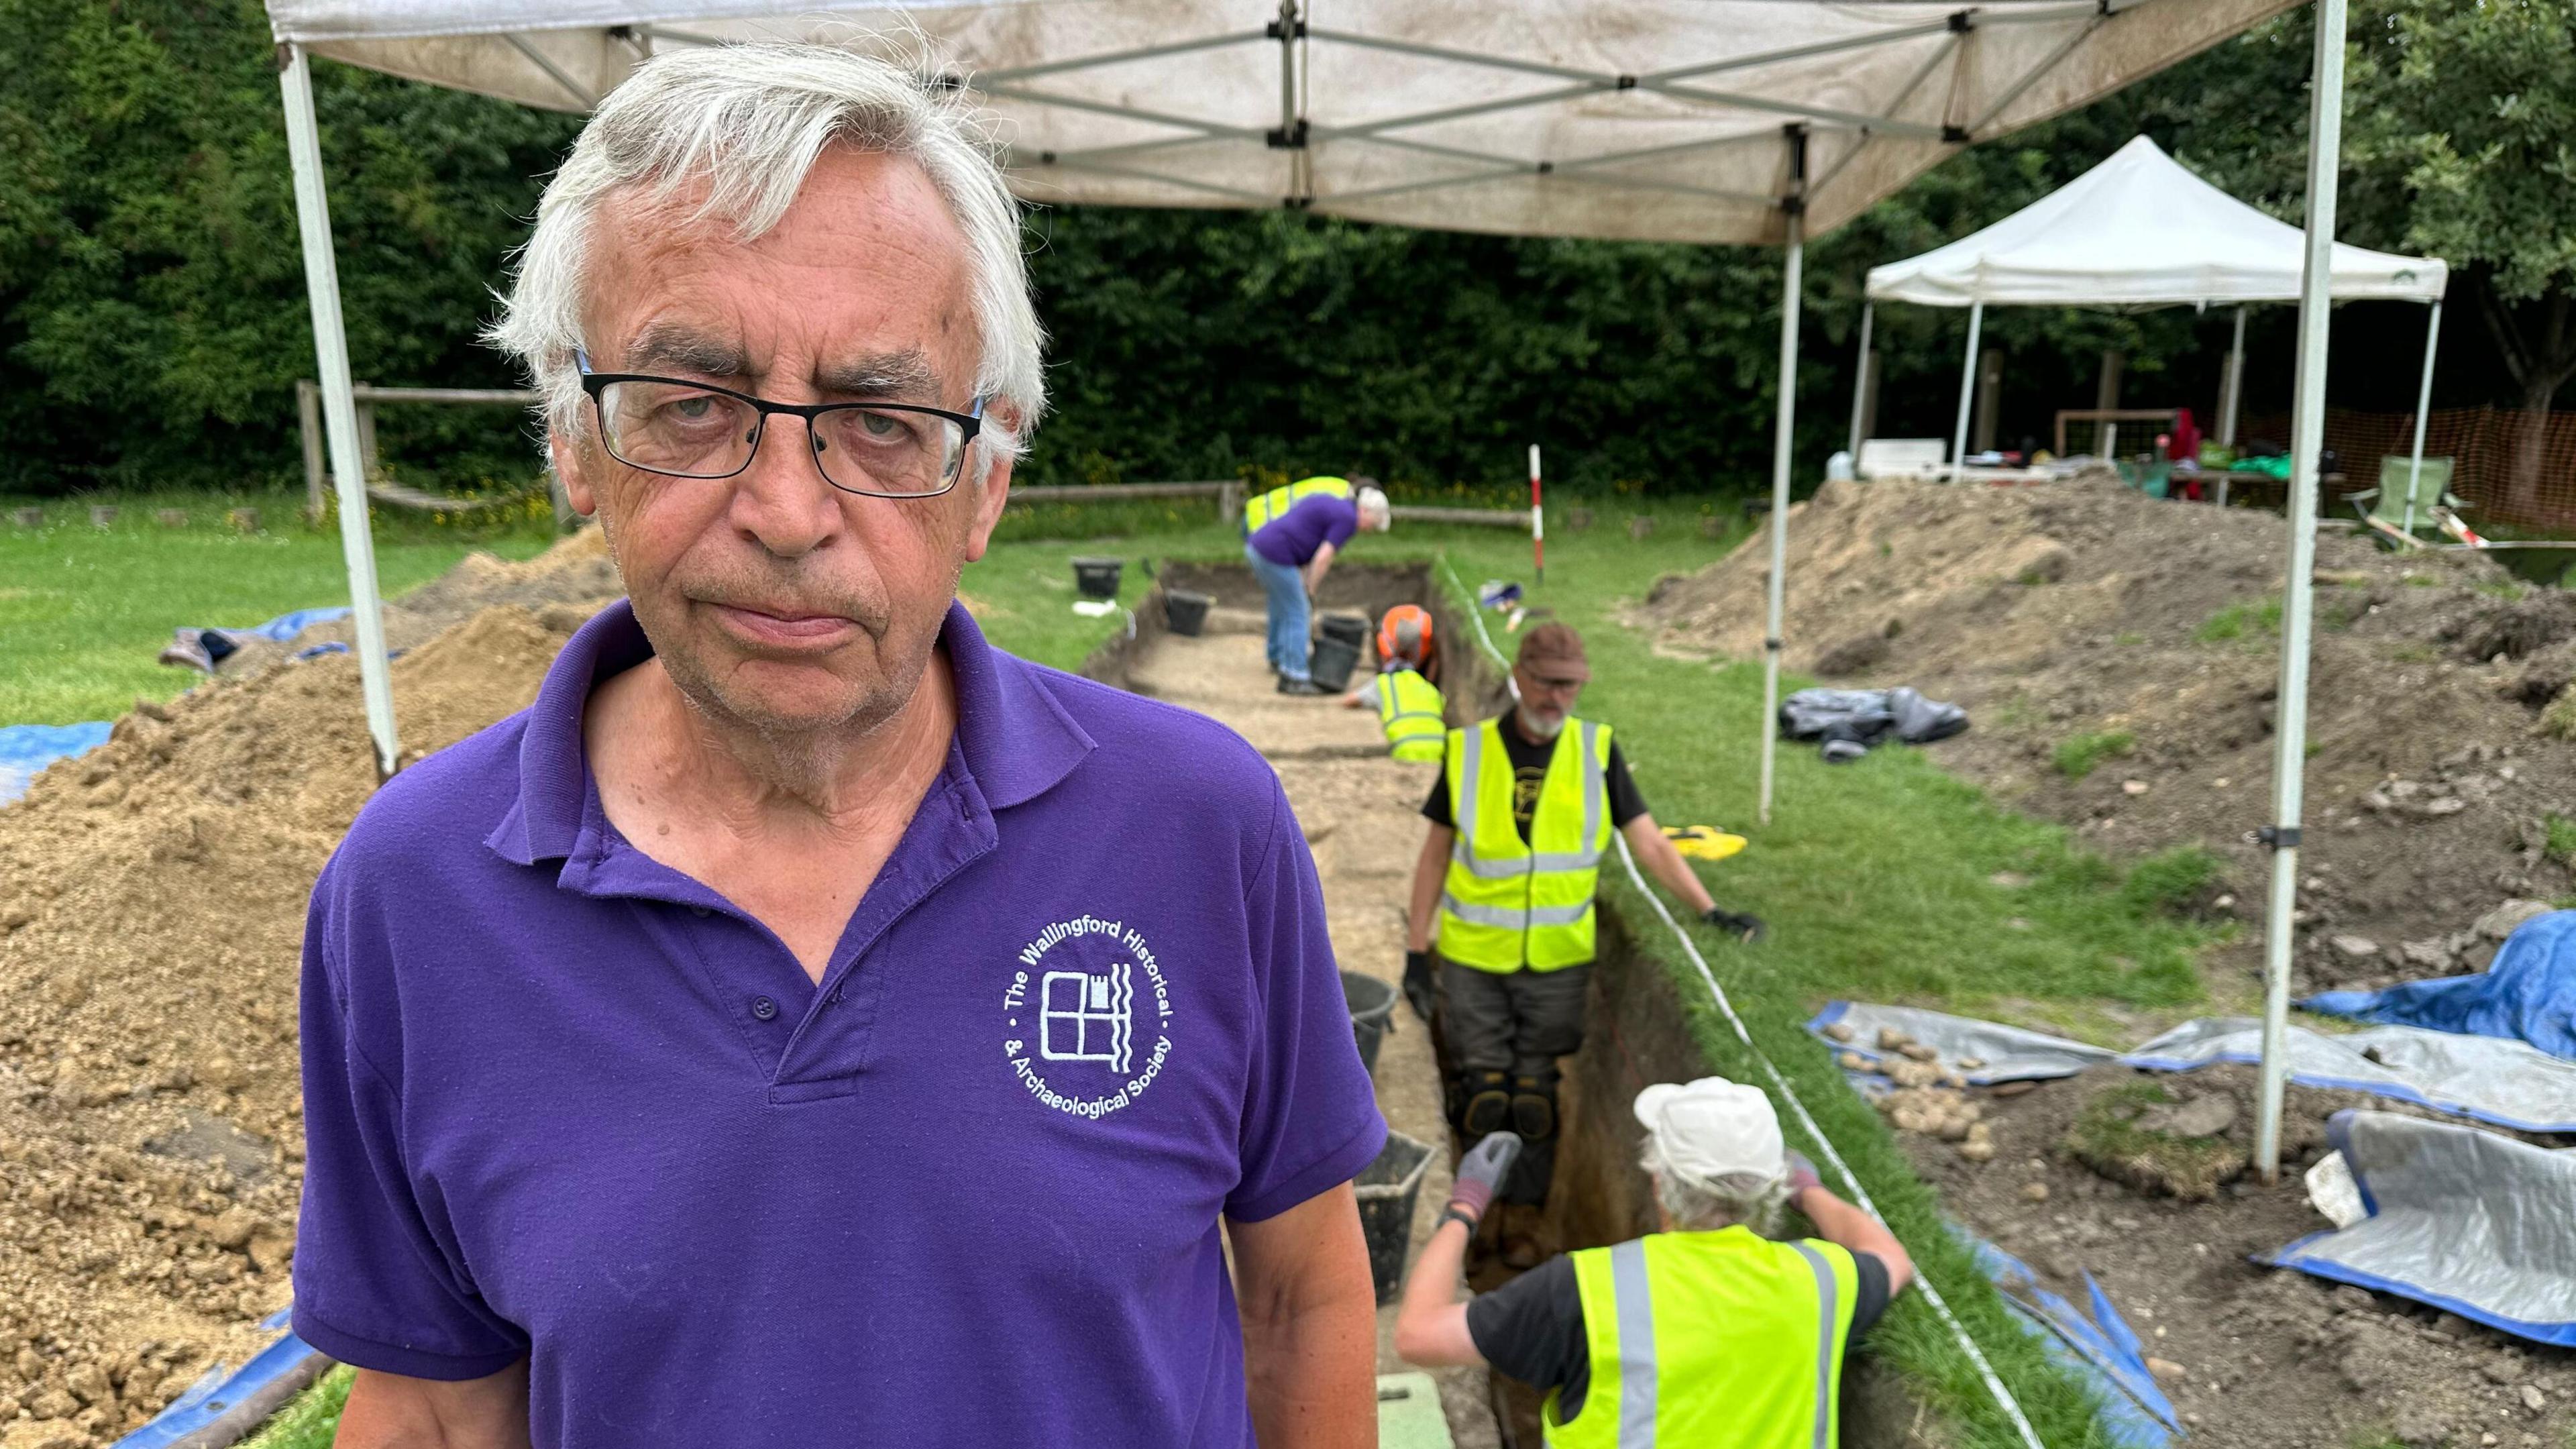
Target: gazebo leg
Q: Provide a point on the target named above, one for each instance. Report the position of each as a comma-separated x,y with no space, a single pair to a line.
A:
339,401
2307,436
1795,205
2423,410
1967,391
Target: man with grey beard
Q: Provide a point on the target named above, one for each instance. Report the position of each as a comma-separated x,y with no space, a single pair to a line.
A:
1503,891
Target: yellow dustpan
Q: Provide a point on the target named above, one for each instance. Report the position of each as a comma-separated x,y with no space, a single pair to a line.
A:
1703,842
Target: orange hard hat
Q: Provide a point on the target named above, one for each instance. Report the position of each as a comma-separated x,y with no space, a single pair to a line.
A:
1405,633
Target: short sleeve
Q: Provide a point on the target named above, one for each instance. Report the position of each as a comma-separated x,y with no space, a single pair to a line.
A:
1344,523
377,1281
1625,803
1531,1328
1436,809
1310,1118
1869,1296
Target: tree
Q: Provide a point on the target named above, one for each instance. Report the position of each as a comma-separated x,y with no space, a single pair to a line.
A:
2469,108
152,305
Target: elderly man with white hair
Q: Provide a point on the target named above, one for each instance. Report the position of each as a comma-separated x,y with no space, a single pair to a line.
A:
809,1025
1708,1333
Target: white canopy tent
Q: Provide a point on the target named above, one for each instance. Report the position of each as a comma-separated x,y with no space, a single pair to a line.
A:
1738,121
2140,230
1746,121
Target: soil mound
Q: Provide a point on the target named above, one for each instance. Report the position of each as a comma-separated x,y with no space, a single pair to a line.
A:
2119,658
152,899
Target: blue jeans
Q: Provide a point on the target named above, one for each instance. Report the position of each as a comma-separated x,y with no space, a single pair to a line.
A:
1286,586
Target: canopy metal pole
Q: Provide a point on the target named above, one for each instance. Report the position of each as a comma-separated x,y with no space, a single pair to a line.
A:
1860,378
1794,209
2423,410
1967,389
2235,385
339,400
2307,435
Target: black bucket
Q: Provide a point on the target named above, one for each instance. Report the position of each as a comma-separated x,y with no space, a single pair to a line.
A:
1351,629
1185,612
1387,1189
1097,578
1332,663
1372,1004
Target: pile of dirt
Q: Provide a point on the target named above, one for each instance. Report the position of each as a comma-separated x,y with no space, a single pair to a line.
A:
2249,1355
2118,656
152,898
568,581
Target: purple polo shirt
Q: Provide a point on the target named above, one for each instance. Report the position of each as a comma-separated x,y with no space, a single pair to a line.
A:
1315,520
565,1103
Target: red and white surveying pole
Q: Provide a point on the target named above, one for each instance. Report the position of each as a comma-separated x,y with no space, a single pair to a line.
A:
1538,521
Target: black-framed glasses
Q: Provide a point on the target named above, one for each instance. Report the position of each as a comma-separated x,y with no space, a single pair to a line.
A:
687,429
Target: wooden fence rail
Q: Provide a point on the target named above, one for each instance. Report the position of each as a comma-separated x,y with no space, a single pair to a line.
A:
308,414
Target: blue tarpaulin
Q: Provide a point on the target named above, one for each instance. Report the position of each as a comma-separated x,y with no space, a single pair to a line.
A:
26,749
2528,994
2470,1221
2098,1346
287,626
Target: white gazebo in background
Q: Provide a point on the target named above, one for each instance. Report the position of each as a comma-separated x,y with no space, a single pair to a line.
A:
1722,121
2141,231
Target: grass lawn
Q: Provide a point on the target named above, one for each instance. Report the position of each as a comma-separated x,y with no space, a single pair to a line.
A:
1882,880
84,611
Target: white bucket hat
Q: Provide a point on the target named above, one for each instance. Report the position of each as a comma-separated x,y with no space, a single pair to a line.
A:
1712,1129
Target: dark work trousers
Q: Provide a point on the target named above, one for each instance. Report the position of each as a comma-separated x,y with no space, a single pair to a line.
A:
1517,1023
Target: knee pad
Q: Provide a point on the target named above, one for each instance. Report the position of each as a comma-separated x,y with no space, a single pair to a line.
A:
1488,1106
1534,1107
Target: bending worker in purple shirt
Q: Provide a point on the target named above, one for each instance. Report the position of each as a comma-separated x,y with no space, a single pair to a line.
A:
1291,536
807,1024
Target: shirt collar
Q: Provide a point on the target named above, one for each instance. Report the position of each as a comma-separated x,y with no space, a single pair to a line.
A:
1016,739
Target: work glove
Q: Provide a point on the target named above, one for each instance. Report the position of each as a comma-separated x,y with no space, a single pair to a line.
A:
1417,983
1802,1175
1480,1172
1741,927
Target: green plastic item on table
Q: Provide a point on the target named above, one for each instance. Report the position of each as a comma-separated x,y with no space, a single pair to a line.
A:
1408,1413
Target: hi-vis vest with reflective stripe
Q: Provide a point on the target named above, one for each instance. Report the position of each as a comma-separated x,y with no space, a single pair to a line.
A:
1268,508
1721,1340
1410,710
1507,904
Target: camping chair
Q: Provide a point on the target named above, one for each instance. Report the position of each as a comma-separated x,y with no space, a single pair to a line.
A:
2387,509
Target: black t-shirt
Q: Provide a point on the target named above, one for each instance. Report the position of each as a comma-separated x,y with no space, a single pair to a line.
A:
1532,1327
1529,767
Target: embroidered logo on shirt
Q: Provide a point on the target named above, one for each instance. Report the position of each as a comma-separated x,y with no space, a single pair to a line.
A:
1087,1018
1071,1010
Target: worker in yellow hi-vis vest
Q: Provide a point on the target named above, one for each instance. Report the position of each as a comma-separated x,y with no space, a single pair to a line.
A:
1708,1334
1405,691
1290,537
1519,818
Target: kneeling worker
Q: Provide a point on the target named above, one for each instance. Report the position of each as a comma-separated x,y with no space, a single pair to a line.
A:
1290,537
1408,703
1706,1333
1519,818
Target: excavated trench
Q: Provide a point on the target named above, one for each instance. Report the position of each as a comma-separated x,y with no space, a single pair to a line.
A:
1359,811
